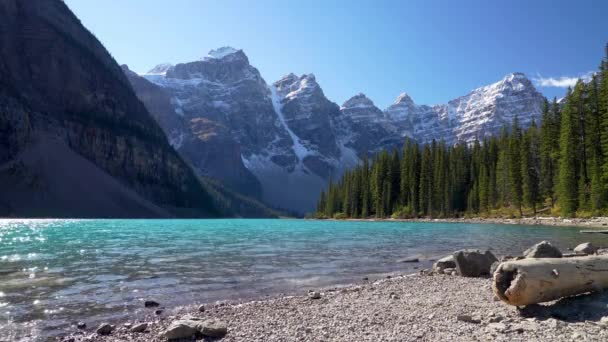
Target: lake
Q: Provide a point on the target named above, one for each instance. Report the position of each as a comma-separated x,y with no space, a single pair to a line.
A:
54,273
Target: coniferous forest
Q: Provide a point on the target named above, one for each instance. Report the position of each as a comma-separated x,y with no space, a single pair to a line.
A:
556,166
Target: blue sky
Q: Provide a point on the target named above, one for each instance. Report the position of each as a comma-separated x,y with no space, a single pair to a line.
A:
433,50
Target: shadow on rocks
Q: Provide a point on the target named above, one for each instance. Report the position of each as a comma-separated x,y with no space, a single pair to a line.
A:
585,307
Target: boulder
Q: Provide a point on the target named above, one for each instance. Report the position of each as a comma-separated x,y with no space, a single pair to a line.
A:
105,329
443,263
585,248
213,328
543,249
474,263
181,329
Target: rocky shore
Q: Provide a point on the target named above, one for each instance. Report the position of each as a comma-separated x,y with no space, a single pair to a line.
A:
433,305
594,222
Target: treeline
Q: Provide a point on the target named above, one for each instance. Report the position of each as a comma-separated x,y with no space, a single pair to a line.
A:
558,165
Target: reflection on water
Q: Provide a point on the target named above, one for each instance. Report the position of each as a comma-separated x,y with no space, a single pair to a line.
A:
55,272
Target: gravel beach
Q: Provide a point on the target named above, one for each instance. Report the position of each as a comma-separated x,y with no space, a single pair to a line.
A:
415,307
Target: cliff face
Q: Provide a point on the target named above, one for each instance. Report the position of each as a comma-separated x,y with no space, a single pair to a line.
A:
72,128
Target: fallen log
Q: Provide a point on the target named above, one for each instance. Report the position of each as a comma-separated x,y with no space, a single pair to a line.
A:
537,280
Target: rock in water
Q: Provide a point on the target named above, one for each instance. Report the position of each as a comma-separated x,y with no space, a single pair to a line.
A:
543,249
141,327
181,329
81,325
474,263
585,248
213,328
443,263
105,329
151,304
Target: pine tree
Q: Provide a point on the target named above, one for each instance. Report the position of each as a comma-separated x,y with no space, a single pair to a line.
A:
530,167
515,179
568,175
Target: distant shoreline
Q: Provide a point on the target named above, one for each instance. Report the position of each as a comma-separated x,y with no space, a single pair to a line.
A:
594,222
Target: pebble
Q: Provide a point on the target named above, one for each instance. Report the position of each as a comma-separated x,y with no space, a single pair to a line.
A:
498,326
314,295
213,328
201,308
138,328
81,325
468,319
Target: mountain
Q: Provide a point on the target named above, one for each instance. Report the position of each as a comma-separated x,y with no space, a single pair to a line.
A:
481,113
283,142
74,139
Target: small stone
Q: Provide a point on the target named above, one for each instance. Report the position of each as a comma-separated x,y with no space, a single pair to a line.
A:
431,316
141,327
497,326
81,325
314,295
410,259
366,278
393,295
201,308
151,304
213,328
158,312
127,325
496,319
105,329
468,319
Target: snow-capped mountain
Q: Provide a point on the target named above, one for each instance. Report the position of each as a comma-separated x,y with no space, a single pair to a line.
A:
481,113
284,141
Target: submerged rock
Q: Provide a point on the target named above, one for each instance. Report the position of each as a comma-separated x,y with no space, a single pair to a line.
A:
151,304
474,263
585,248
543,249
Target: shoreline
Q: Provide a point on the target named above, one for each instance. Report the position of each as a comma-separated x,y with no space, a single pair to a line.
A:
415,307
594,222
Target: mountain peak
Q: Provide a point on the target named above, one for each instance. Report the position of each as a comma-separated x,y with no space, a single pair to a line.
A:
221,52
404,98
160,69
359,100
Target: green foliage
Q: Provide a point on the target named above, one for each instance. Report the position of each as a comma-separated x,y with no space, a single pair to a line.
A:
562,164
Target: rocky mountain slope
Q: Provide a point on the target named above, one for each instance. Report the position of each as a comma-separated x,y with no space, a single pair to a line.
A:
74,139
283,141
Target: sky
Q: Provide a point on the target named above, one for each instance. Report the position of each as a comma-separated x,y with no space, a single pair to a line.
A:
433,50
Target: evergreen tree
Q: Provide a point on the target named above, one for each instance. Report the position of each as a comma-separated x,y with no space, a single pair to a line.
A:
515,179
568,183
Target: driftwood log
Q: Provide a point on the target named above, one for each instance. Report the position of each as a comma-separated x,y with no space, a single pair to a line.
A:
531,281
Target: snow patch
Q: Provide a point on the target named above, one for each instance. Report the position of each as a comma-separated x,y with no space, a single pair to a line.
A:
221,52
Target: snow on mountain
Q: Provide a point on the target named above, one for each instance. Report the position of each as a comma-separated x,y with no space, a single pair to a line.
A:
221,52
293,139
481,113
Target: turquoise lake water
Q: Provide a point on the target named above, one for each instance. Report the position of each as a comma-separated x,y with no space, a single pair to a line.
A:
54,273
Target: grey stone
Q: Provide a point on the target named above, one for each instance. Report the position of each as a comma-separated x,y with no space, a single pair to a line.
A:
585,248
151,304
474,263
213,328
314,295
105,329
410,259
497,326
443,263
81,325
181,329
468,319
141,327
201,308
543,249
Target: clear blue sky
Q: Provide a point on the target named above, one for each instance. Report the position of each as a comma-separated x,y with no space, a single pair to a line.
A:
433,50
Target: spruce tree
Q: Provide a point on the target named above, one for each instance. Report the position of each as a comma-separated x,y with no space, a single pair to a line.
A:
568,170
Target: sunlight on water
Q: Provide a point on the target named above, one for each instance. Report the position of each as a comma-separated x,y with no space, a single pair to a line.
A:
56,272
